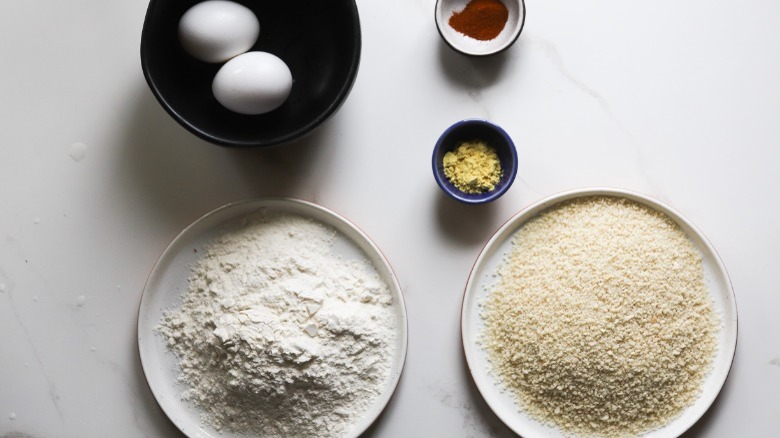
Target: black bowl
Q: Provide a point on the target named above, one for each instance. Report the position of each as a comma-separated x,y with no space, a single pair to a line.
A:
320,42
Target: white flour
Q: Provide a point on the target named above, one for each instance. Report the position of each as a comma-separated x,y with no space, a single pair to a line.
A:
279,337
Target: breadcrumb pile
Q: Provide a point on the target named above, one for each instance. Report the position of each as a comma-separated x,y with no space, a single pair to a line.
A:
599,321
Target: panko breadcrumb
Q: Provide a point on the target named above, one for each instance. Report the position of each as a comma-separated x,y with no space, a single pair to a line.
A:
599,321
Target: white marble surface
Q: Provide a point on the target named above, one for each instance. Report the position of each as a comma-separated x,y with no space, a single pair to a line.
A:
676,99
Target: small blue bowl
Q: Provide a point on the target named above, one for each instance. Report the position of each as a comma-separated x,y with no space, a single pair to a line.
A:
469,130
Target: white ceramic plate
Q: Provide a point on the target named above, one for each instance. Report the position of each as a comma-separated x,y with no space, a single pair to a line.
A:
168,282
502,403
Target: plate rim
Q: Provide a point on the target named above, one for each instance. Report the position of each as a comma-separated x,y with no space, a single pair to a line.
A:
530,211
402,329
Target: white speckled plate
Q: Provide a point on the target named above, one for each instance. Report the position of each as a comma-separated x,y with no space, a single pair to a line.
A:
502,403
168,281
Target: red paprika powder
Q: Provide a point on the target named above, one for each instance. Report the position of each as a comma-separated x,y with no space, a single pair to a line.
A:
481,19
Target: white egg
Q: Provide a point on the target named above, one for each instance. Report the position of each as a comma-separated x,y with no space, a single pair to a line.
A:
217,30
253,83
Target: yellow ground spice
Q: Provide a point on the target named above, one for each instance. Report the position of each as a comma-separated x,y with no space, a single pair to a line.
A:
473,167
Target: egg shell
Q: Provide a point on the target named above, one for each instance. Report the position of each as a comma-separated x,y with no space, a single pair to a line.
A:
253,83
217,30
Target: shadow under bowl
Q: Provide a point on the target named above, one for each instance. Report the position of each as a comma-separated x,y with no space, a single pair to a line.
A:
470,130
319,41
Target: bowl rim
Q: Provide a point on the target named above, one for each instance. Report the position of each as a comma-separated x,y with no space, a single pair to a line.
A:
481,198
498,50
344,91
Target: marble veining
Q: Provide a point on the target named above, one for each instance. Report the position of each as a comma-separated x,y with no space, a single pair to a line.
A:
683,106
51,386
553,54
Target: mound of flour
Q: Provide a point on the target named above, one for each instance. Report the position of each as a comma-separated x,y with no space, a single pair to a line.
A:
277,336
